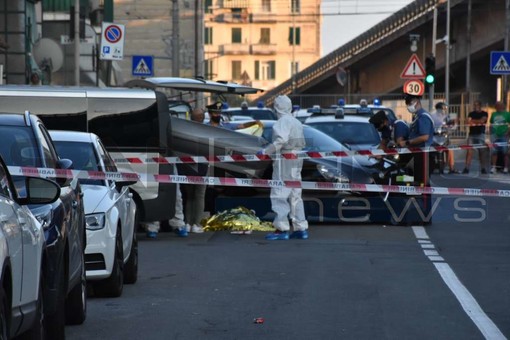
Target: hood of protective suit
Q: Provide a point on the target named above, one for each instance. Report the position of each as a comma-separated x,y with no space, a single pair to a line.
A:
282,106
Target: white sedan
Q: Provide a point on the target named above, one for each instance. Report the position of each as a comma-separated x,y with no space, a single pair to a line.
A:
111,255
22,248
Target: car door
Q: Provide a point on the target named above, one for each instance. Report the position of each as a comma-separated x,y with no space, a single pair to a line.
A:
121,197
14,236
73,207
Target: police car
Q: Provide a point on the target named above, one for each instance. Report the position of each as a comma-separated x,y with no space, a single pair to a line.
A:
353,131
363,109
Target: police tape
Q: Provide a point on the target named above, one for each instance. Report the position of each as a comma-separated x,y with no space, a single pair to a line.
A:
188,159
254,183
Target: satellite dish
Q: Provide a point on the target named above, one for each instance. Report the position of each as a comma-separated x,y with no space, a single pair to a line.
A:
48,52
341,76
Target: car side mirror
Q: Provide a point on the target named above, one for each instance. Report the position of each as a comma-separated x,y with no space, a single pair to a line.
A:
120,184
40,191
64,163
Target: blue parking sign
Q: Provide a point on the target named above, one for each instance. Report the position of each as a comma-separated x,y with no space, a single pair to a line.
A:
500,62
142,65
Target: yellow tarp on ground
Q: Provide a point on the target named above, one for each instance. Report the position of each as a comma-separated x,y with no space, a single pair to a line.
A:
237,219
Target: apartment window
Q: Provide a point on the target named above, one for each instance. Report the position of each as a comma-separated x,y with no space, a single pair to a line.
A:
266,5
207,6
208,36
295,6
265,36
236,69
265,70
236,35
208,70
295,35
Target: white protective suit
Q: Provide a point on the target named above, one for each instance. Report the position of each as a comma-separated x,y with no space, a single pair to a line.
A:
287,137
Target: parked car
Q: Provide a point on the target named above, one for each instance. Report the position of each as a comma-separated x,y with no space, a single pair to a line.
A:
111,255
354,132
368,110
24,141
23,256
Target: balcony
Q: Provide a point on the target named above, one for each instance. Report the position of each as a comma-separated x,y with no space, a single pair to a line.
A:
233,17
234,49
235,4
263,49
263,17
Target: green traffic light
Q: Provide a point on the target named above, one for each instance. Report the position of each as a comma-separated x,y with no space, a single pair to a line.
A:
429,79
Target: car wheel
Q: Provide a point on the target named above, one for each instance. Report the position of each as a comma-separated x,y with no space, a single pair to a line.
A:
4,312
55,322
113,286
131,266
76,304
37,331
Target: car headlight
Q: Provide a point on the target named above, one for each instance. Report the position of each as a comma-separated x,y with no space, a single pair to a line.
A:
95,221
332,175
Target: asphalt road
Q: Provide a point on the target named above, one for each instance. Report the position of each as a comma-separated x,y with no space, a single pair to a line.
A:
448,280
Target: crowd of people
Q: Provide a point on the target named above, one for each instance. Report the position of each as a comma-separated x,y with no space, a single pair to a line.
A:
287,204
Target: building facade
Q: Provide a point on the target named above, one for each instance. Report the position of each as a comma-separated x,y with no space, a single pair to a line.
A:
261,43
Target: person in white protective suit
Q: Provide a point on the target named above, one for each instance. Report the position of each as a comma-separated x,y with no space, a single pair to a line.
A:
287,202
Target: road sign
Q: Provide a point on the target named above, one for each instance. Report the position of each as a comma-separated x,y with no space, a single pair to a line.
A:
112,42
414,87
142,65
414,69
500,62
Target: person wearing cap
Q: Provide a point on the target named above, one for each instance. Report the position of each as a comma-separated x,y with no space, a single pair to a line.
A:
421,135
287,202
215,118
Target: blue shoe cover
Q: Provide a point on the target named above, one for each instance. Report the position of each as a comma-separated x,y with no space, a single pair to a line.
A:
299,234
278,235
181,232
152,234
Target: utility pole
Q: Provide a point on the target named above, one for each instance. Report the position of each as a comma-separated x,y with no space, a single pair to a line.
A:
468,52
76,42
507,43
434,37
199,47
293,66
175,38
447,63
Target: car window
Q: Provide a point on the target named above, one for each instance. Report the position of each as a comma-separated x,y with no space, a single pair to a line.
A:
350,133
258,114
19,146
49,155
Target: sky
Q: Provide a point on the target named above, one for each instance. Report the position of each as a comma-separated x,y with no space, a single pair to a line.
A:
344,20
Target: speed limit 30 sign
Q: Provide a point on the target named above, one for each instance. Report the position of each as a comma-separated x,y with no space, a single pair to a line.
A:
414,87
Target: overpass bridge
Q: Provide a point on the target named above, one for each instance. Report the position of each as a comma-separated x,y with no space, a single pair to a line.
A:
374,60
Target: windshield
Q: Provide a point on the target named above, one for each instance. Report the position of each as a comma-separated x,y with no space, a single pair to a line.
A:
315,140
83,156
351,133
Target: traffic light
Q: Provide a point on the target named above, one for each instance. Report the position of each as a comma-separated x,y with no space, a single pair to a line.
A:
430,70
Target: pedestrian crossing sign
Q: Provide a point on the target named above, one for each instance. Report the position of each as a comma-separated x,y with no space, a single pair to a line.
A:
142,66
500,62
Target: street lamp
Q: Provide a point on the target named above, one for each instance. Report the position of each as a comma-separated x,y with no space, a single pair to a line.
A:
414,38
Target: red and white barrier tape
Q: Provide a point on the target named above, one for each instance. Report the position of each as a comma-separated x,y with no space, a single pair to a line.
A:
297,155
257,183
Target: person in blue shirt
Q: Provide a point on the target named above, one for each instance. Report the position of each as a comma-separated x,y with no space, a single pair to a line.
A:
390,133
421,135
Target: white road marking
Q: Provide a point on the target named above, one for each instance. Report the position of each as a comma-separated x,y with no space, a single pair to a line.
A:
486,326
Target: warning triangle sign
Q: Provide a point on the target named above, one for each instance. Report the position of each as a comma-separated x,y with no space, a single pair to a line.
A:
142,68
414,69
501,65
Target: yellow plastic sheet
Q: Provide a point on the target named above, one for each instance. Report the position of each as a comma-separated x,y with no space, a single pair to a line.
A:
237,219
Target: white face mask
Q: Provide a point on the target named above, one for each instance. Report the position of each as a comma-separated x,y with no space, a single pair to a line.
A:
412,108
